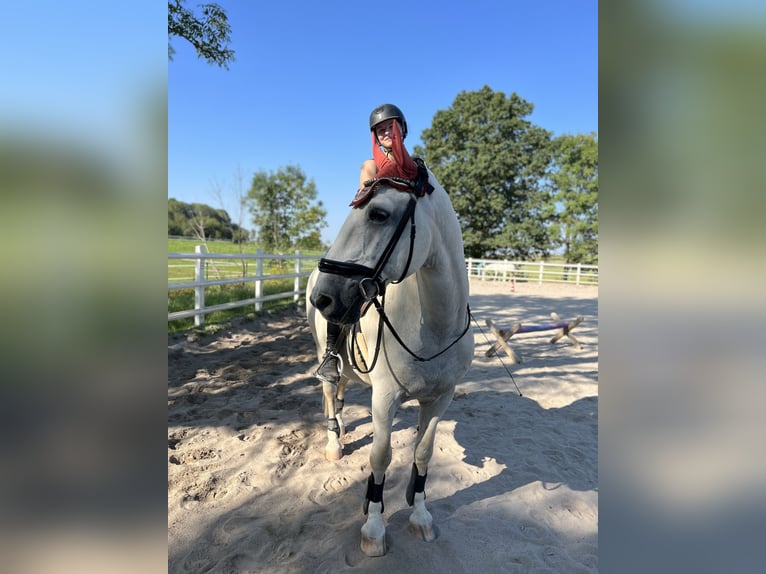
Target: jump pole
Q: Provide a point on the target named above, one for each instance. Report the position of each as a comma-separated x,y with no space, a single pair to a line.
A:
503,335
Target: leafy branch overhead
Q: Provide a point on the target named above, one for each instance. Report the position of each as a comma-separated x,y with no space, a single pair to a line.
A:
209,31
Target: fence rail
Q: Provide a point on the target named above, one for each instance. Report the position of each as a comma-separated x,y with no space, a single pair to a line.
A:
236,269
538,271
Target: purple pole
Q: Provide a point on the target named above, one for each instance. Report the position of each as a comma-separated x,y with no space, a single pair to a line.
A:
548,327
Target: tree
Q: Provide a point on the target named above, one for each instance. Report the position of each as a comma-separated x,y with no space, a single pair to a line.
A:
209,33
283,210
239,235
491,160
200,221
574,181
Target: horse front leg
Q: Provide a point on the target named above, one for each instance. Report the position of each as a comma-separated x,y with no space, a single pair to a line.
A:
333,410
374,530
421,521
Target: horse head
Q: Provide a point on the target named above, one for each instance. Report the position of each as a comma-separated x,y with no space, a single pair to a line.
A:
377,245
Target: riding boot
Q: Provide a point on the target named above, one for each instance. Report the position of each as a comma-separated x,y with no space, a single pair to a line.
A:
328,369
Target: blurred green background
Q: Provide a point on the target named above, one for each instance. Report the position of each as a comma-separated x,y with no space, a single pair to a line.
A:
682,86
83,156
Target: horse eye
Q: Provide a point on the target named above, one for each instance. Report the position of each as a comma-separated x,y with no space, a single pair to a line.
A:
377,215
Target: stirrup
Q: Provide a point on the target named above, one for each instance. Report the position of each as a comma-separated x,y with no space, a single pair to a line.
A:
325,358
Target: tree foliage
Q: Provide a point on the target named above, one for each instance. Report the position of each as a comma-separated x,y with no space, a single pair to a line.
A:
209,32
285,211
491,160
574,181
201,221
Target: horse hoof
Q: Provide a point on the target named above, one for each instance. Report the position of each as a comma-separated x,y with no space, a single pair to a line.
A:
423,531
374,531
333,453
373,547
421,522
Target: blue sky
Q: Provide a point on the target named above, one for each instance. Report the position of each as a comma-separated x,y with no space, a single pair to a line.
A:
82,73
307,75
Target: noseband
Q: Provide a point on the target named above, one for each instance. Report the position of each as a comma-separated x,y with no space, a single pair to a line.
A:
371,284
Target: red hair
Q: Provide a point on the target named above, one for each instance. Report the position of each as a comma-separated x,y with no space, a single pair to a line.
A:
402,164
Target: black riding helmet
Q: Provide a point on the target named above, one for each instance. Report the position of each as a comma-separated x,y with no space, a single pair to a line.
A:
387,112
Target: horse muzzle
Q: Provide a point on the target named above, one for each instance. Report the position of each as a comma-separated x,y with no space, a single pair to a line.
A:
340,299
342,288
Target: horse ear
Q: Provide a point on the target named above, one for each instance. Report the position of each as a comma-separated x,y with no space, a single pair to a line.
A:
422,185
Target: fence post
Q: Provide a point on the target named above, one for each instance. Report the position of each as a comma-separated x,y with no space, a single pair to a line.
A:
297,282
199,290
469,266
259,281
540,279
578,272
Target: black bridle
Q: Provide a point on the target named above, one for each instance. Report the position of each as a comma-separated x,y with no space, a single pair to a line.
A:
371,276
371,287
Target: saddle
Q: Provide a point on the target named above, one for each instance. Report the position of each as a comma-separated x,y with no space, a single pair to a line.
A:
420,186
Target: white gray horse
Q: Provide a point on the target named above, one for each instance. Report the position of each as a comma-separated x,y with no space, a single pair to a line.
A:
396,279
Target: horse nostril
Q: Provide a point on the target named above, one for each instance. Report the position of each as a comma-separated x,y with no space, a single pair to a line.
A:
321,302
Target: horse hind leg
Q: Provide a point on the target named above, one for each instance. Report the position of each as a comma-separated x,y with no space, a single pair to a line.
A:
333,408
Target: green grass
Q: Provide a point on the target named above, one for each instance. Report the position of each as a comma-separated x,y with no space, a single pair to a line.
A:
214,246
219,246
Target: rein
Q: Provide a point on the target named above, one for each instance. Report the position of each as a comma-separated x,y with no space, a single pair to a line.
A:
384,319
372,287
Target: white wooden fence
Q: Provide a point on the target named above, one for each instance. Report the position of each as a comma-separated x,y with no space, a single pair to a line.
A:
229,269
538,271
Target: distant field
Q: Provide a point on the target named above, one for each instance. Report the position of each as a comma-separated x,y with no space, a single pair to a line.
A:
183,270
214,246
